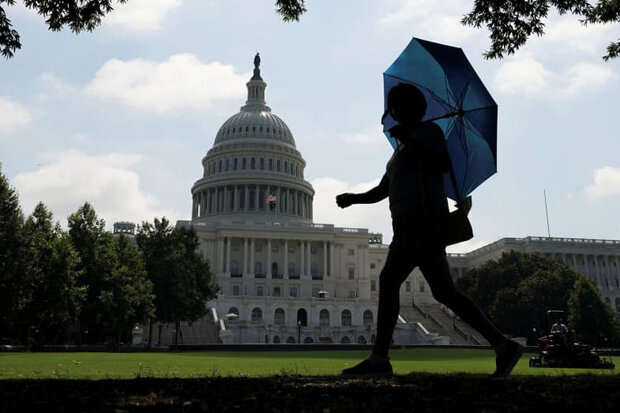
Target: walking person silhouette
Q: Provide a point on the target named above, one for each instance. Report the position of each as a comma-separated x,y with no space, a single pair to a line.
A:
413,181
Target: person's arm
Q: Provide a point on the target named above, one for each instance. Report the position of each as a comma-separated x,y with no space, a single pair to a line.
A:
376,194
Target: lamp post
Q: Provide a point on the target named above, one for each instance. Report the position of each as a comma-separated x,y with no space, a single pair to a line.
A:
299,331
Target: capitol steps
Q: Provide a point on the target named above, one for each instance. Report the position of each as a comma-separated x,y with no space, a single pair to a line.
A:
437,320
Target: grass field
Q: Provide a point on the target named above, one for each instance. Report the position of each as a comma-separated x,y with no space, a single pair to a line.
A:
96,366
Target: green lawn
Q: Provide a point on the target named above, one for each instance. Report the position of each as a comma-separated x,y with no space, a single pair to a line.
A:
251,364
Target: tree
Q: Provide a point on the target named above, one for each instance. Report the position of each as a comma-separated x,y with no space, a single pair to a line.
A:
98,260
11,255
517,290
512,22
591,317
128,298
50,298
182,280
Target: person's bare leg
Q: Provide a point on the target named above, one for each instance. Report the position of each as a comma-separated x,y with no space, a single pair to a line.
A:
397,268
436,271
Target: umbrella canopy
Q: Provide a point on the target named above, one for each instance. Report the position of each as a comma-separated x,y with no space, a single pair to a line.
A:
458,102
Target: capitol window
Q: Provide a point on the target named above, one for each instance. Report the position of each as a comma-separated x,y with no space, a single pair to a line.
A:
253,163
350,252
278,165
324,318
408,286
351,272
262,163
372,265
277,291
227,164
422,286
235,164
346,318
243,163
271,164
219,166
260,290
373,285
293,291
236,289
279,318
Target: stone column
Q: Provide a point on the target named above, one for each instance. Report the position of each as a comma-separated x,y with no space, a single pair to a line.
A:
228,243
236,200
302,267
220,255
246,203
360,261
332,258
597,272
285,269
252,255
574,262
256,196
245,256
269,275
324,259
309,261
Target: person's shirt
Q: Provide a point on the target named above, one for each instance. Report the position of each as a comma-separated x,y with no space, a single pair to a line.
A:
415,172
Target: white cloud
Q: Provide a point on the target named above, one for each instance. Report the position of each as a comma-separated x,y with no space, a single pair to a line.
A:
525,76
374,217
109,182
179,83
437,21
606,183
12,115
141,15
567,30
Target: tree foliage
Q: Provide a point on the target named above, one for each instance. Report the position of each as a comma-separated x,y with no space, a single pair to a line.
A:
50,298
590,316
511,23
182,279
517,290
128,296
11,254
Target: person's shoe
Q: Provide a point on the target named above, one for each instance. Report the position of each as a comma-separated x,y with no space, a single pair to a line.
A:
507,354
370,368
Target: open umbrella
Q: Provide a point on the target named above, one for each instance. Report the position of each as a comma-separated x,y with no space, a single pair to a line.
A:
458,102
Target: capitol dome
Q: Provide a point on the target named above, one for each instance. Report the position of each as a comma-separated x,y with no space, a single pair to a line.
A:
253,171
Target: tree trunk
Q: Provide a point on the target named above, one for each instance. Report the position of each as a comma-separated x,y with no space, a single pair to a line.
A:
176,334
150,343
80,332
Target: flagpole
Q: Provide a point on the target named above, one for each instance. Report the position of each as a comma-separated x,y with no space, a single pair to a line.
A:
547,213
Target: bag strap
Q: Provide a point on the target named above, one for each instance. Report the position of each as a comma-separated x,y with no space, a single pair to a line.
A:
453,180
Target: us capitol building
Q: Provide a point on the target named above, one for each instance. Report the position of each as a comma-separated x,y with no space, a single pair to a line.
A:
285,279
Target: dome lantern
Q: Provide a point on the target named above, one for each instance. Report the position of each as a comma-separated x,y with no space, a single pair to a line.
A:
256,91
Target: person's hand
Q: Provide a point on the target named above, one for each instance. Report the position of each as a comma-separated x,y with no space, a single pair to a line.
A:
344,200
465,205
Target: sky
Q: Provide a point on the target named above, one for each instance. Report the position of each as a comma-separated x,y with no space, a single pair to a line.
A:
121,117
